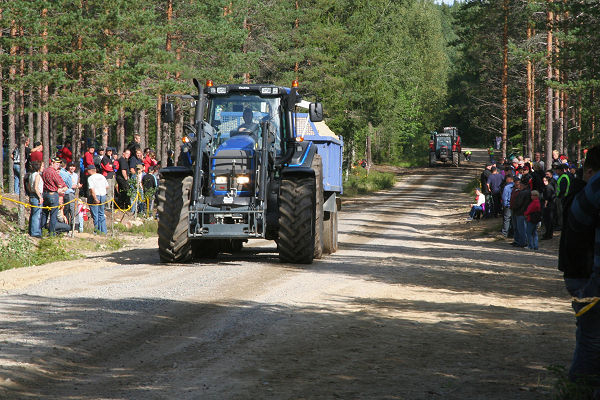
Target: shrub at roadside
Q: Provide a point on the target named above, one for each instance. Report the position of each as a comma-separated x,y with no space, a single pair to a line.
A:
148,228
19,251
360,183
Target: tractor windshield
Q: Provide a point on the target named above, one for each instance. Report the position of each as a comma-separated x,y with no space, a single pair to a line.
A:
243,115
443,141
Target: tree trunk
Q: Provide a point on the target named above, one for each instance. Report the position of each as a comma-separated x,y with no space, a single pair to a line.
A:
530,100
549,94
159,128
45,92
142,125
505,80
21,217
31,115
12,104
369,158
179,118
1,113
121,130
38,126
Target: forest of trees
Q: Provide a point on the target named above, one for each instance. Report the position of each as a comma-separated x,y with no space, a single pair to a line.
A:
526,70
97,70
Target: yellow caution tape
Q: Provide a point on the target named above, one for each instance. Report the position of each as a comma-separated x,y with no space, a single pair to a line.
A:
592,300
75,199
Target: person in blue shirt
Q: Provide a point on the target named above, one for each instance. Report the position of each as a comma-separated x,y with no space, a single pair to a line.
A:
495,184
68,211
584,218
507,212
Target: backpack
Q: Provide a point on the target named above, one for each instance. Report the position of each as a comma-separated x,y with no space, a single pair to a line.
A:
29,184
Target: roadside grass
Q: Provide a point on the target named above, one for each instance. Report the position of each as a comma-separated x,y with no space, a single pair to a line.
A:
360,183
20,251
564,389
148,228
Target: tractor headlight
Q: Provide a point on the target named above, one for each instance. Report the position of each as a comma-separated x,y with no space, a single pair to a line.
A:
221,180
242,180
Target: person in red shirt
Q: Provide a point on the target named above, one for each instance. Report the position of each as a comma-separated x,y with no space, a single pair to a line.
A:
37,153
53,187
149,161
66,153
533,215
88,159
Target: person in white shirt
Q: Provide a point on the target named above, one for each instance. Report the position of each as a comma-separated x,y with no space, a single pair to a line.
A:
479,204
98,187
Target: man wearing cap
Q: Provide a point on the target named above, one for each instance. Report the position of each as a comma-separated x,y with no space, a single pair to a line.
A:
97,186
53,185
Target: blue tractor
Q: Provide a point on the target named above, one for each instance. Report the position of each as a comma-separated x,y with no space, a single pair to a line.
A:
252,166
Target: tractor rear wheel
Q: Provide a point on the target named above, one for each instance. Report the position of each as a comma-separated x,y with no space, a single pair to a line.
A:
296,241
173,210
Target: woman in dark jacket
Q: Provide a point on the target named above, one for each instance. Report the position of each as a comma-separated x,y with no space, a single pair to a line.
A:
548,195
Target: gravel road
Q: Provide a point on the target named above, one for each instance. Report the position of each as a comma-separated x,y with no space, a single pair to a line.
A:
413,306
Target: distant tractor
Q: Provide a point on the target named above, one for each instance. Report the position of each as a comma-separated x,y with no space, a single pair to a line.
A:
445,146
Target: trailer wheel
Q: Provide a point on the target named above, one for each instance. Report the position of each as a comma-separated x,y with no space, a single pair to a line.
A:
330,234
317,166
296,243
173,210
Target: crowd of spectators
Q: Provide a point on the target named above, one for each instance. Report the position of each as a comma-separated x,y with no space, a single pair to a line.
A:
564,197
98,177
528,197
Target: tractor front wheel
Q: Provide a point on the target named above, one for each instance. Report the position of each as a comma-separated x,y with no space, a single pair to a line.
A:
296,241
173,211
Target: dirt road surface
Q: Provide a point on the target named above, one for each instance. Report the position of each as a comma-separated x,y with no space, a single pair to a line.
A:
413,306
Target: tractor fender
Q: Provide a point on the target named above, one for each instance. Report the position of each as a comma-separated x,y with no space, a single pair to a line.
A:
302,159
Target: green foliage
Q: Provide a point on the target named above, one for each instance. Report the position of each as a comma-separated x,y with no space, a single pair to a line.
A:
360,183
471,185
19,251
371,62
564,389
148,228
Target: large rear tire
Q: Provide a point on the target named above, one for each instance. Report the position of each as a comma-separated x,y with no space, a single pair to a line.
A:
296,241
173,211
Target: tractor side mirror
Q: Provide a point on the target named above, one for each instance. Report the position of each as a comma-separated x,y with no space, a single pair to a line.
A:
167,112
316,112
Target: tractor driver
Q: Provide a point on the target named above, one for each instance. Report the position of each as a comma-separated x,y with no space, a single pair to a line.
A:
248,126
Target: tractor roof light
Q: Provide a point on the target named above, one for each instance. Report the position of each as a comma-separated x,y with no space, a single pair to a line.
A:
299,139
209,83
185,140
295,83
